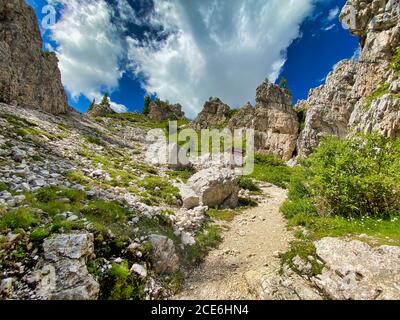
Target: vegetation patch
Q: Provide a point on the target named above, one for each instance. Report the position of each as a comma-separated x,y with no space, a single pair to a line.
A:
247,183
159,190
22,218
379,92
396,61
4,186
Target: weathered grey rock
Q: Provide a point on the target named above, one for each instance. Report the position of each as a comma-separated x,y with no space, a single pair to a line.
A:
64,275
189,198
161,111
139,270
28,77
162,153
164,257
355,271
340,107
17,154
6,287
216,187
215,113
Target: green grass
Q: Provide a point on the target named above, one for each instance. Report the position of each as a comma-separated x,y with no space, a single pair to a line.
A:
222,215
22,218
247,183
268,168
4,186
159,190
379,92
207,239
183,175
396,61
93,140
39,234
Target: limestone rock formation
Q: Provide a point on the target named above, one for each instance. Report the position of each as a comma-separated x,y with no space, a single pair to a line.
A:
161,111
216,187
274,120
215,113
351,270
28,76
100,110
64,275
342,104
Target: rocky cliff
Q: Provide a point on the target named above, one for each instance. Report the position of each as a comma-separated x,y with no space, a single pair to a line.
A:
29,76
215,113
362,94
100,110
275,122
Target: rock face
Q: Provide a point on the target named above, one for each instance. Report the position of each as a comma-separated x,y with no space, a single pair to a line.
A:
341,105
215,113
164,257
28,77
355,271
273,119
216,187
64,275
161,111
352,270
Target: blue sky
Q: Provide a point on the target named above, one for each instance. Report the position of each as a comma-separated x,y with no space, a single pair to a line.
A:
187,51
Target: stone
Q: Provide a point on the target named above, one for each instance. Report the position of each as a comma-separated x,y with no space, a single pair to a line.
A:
189,198
215,113
187,239
353,270
29,76
64,275
6,287
302,266
216,187
139,270
17,154
163,256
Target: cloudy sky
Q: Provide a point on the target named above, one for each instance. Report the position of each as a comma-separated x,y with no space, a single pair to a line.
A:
188,50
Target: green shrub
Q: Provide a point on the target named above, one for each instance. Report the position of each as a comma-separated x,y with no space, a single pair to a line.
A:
271,169
18,219
39,234
247,183
4,186
396,61
159,190
356,177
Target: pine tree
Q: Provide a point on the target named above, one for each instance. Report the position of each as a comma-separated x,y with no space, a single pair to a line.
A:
146,108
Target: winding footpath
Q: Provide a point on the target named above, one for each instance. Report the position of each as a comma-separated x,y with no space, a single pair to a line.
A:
249,246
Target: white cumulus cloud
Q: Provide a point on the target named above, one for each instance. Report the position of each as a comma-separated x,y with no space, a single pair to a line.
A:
333,13
218,48
89,47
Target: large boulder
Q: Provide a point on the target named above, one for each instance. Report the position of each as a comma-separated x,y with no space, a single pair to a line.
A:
356,271
216,187
28,76
163,255
64,275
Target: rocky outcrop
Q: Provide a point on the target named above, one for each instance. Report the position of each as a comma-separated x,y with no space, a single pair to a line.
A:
342,105
29,76
216,187
215,113
351,270
162,111
100,110
274,120
64,275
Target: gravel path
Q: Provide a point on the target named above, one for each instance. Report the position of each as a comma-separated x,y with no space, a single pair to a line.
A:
249,246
